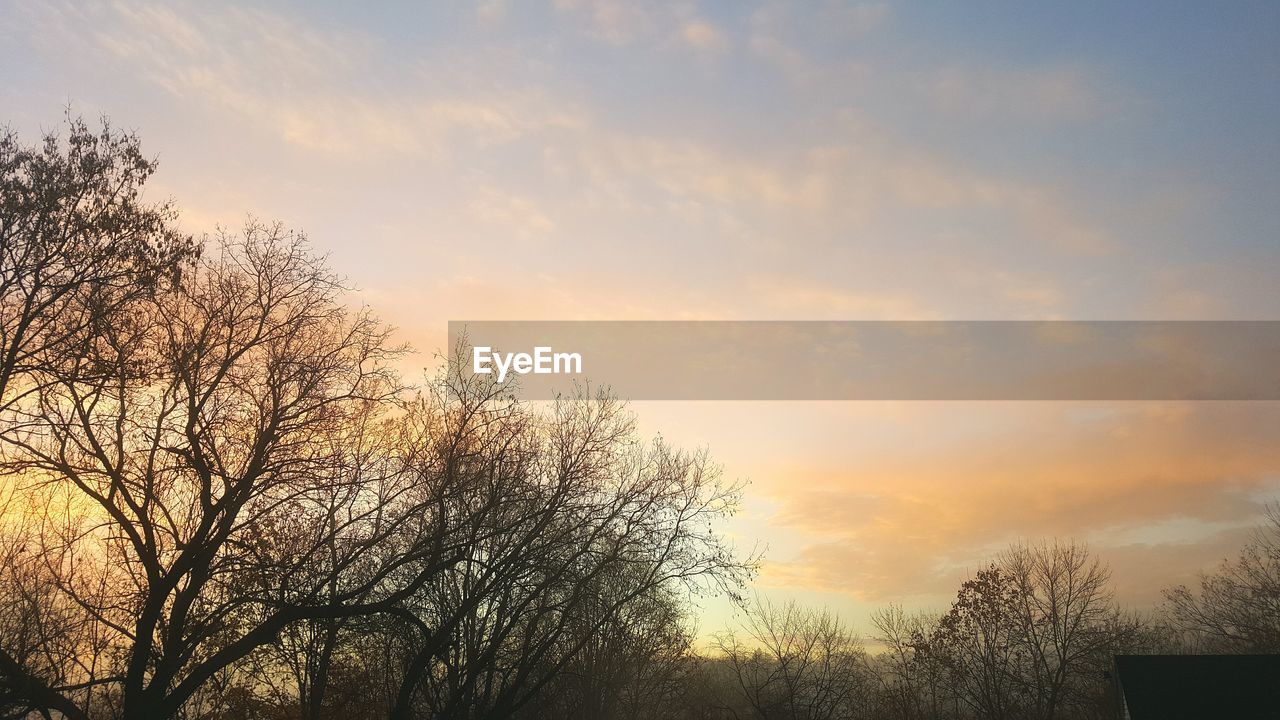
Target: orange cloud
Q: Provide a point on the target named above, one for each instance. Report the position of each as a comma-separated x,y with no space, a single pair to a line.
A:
911,521
703,36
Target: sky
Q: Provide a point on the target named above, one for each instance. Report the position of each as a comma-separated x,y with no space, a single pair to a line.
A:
607,159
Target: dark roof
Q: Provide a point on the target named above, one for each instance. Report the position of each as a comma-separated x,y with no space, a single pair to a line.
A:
1173,687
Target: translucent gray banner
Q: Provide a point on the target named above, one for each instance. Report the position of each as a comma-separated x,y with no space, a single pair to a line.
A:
869,360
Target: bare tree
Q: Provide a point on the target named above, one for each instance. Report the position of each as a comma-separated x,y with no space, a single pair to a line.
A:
77,243
231,505
912,684
1030,636
575,546
236,471
629,667
589,526
1237,608
1069,624
978,641
794,664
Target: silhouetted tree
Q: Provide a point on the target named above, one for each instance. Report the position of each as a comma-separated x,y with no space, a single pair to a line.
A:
1237,608
630,666
978,641
1030,636
227,449
593,527
1070,625
912,684
232,507
77,243
790,663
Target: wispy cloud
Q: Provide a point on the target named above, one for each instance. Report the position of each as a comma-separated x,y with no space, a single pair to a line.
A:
313,88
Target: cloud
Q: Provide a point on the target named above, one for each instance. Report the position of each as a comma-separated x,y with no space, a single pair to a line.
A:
801,299
785,34
902,524
513,213
310,87
615,22
491,11
703,36
861,179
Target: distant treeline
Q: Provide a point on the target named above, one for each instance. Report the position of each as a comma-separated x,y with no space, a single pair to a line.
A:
219,500
1031,636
